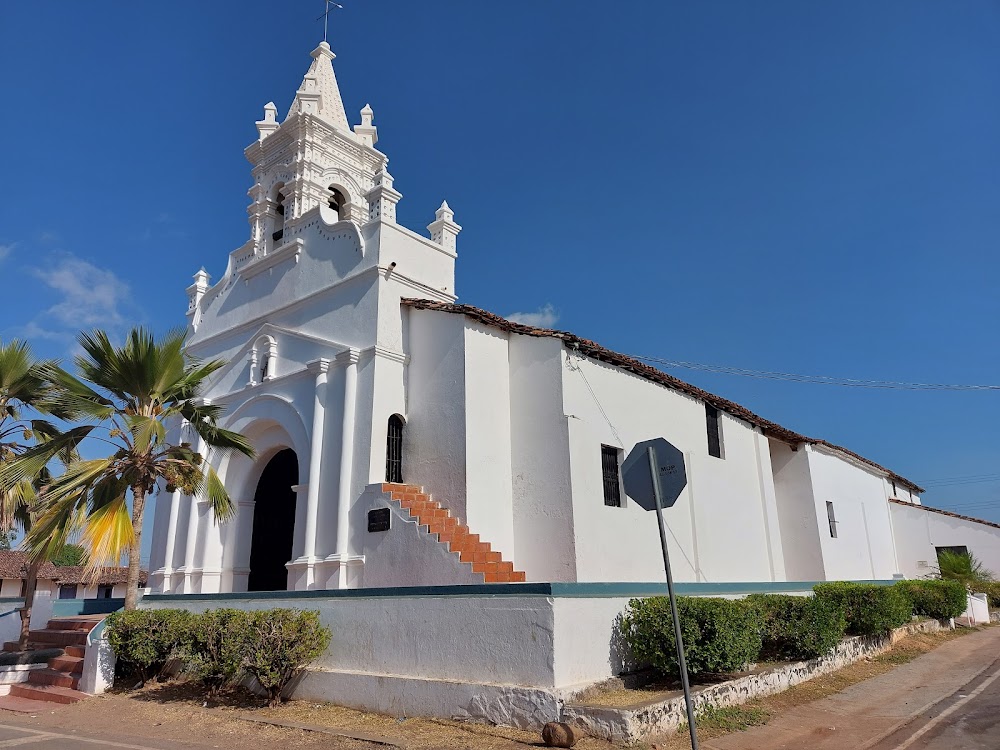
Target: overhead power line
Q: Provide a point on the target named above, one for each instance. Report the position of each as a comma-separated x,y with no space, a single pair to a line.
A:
815,379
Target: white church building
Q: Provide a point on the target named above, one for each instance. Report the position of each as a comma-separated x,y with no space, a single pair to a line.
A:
406,440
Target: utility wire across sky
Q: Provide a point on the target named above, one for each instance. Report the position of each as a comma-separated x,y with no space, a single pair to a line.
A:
816,379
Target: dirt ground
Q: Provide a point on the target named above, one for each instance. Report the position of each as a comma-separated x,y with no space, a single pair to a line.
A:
180,711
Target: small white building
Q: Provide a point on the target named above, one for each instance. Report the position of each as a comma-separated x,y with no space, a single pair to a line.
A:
351,366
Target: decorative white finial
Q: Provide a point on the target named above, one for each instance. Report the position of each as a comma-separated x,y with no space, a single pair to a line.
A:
270,122
367,132
444,231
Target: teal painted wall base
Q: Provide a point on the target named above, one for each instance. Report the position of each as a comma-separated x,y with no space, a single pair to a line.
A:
555,590
74,607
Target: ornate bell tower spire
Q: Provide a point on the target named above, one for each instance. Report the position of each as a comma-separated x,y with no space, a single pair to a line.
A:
312,160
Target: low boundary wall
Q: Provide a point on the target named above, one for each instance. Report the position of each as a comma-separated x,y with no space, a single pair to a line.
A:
508,654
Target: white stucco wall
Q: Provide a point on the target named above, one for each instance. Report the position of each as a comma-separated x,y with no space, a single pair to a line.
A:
727,501
544,531
864,547
797,519
919,532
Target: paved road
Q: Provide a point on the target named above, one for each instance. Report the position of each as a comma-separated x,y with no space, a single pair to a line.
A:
948,699
38,739
968,719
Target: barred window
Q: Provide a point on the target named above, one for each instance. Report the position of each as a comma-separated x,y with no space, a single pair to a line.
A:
394,450
612,476
713,422
831,518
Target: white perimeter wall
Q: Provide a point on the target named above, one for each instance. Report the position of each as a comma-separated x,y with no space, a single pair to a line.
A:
864,547
919,531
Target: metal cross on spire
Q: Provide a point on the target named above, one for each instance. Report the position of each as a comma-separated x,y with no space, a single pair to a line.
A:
326,15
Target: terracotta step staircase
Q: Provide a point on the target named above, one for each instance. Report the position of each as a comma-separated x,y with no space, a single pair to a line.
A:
438,521
58,681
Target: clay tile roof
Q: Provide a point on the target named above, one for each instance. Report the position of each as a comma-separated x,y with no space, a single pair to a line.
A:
70,574
945,513
14,564
596,351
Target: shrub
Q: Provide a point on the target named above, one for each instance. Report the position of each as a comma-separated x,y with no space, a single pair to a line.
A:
720,635
964,567
992,591
279,643
145,639
214,648
934,598
870,609
798,627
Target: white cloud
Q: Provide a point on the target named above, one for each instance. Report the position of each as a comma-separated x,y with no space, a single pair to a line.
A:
544,317
6,250
89,296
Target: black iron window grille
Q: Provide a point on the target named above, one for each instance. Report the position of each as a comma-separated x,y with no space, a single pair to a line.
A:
612,476
394,450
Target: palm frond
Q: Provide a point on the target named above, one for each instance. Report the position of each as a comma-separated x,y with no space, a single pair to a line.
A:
108,533
217,496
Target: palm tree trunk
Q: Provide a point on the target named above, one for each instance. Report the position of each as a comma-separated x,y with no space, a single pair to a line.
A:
135,550
30,584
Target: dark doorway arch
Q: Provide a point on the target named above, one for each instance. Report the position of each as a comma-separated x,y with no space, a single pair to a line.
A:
273,523
394,450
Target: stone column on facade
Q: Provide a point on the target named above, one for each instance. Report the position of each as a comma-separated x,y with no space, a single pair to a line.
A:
349,359
171,540
321,367
192,532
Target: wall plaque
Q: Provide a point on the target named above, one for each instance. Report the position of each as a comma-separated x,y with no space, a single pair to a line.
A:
378,520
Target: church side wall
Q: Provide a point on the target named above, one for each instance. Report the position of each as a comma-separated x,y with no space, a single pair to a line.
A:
541,490
918,532
724,525
489,491
797,520
864,547
434,437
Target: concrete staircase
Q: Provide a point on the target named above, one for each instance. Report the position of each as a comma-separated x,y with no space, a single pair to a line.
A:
66,639
460,541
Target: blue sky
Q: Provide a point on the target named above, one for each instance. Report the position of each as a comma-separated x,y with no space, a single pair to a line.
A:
802,187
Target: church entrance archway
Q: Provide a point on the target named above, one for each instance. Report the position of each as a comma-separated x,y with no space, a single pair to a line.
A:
273,523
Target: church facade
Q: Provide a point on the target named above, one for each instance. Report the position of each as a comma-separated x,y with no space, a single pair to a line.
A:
406,440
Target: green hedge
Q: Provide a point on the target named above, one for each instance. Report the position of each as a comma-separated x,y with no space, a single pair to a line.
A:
221,646
145,639
939,599
798,627
720,635
870,609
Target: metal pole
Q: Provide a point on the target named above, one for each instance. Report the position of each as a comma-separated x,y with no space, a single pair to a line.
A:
681,663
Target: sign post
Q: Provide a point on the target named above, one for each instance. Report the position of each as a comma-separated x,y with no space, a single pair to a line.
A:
649,466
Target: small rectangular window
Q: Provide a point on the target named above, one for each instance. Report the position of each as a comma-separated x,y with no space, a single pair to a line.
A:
713,422
67,591
612,476
832,519
105,592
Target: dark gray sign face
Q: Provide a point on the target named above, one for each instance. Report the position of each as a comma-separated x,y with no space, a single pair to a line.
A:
639,482
378,520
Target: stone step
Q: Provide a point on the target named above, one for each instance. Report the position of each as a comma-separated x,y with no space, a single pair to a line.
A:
72,623
24,705
68,664
33,645
59,637
80,651
52,677
50,693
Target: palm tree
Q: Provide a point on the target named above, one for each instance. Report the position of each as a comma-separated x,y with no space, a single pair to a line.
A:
963,567
127,396
24,389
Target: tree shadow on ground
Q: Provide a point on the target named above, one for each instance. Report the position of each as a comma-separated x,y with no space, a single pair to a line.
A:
190,691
